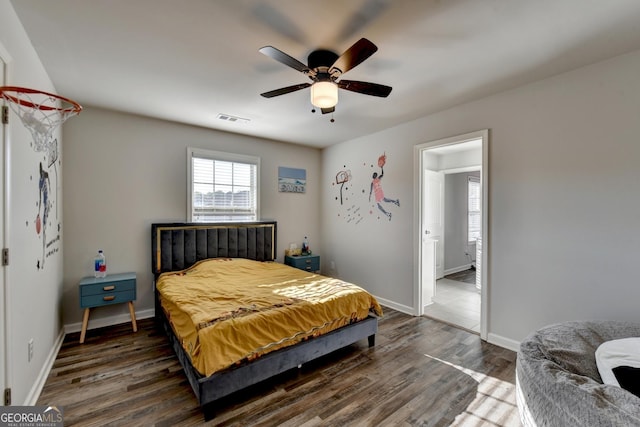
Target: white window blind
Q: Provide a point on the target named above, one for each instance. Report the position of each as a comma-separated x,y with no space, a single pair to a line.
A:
222,186
473,209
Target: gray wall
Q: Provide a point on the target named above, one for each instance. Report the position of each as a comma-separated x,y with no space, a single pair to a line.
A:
124,172
563,217
455,223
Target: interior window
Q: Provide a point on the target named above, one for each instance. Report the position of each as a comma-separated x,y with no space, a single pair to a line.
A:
222,186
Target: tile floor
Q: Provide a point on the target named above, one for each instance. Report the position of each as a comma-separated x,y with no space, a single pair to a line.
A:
457,303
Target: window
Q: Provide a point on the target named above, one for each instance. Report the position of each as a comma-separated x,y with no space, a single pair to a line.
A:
222,186
473,209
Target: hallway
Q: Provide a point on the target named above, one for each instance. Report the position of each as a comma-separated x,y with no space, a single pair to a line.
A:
457,301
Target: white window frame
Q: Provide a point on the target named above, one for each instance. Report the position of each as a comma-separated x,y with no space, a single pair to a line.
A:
475,180
222,156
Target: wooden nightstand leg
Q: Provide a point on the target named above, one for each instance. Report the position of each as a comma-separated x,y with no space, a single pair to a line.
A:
85,322
133,317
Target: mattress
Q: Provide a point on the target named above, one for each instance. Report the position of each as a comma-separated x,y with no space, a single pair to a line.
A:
227,311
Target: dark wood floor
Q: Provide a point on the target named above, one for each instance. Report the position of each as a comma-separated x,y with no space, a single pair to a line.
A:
420,373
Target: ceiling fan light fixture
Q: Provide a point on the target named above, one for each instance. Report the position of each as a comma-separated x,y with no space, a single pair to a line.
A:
324,94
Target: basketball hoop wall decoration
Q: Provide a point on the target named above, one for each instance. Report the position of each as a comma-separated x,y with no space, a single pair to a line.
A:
342,178
360,195
40,112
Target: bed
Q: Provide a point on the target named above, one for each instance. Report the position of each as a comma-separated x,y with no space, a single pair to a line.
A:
199,249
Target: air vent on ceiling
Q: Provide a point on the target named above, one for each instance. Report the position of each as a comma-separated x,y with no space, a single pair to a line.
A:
232,119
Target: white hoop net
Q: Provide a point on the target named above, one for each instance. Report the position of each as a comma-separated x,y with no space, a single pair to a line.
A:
40,112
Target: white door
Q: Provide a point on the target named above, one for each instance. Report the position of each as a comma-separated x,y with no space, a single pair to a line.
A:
433,220
428,278
3,131
432,232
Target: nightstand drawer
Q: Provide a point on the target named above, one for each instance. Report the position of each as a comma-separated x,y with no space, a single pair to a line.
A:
308,263
113,289
107,298
107,287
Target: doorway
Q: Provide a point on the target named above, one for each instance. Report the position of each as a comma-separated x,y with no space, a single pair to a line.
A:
456,298
440,287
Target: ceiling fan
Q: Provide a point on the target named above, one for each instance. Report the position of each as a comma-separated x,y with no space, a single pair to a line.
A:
325,68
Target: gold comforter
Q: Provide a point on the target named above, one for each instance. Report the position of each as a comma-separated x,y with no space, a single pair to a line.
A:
228,310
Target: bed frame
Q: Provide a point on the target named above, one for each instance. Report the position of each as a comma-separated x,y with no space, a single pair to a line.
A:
176,246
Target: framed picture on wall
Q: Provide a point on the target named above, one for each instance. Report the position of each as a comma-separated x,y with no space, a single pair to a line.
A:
291,180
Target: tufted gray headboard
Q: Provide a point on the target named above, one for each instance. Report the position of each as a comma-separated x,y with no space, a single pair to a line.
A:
176,246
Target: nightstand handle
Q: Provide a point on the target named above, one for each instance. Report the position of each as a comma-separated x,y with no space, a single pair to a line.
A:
308,261
108,288
109,298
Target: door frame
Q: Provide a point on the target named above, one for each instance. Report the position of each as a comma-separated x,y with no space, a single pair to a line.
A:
417,196
5,330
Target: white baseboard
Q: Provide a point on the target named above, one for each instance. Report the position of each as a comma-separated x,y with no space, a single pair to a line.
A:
503,342
394,305
108,321
457,269
41,379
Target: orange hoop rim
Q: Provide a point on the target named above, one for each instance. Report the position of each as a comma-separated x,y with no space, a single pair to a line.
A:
74,108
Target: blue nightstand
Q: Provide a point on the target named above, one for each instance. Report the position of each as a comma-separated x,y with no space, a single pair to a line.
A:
113,289
304,262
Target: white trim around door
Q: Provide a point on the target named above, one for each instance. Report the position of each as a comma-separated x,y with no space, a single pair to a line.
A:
419,167
5,359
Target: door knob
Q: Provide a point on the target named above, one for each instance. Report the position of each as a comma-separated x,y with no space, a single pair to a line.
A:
427,232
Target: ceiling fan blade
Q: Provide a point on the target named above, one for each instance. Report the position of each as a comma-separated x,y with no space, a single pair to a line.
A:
368,13
285,59
328,110
373,89
285,90
279,22
358,52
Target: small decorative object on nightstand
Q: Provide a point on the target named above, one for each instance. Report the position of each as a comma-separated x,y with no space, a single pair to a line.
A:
304,262
101,291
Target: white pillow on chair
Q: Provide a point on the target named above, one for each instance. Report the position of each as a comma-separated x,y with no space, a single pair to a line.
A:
618,363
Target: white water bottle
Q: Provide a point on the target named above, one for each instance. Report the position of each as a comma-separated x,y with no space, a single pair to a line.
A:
100,265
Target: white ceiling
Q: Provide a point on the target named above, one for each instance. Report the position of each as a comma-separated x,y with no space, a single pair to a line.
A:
188,61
